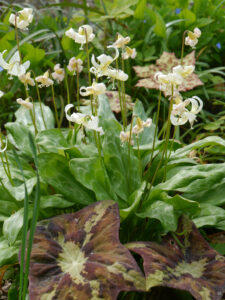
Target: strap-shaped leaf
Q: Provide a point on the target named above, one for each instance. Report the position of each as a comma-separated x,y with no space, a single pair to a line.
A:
79,256
165,64
185,262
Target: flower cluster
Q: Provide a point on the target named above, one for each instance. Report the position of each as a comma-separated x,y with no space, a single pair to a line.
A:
22,19
192,38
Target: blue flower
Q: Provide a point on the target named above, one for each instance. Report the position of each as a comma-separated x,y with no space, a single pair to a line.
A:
218,45
1,69
144,21
177,10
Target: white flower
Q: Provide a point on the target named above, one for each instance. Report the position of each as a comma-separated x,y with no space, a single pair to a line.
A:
75,65
22,19
180,114
129,52
25,103
44,80
184,71
26,79
192,38
14,67
1,145
140,125
101,68
59,73
125,137
84,34
117,74
90,122
95,89
169,82
120,41
1,94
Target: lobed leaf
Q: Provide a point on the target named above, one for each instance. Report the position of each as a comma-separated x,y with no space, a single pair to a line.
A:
79,256
194,267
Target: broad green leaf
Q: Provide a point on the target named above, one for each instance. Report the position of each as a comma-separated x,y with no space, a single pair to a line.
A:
209,215
91,173
9,254
164,213
51,140
189,16
17,191
133,201
7,208
17,135
124,176
140,9
23,117
33,54
54,169
160,27
54,201
13,225
80,254
195,179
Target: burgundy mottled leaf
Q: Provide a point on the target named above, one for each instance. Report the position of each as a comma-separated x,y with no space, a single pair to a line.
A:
79,256
114,101
186,262
165,64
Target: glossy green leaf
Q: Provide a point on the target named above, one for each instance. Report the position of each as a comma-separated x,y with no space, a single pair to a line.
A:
7,208
51,140
91,173
140,9
54,169
164,213
33,54
209,215
9,254
54,201
17,191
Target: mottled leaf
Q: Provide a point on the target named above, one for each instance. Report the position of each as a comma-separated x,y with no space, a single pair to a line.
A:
165,64
114,101
186,262
79,256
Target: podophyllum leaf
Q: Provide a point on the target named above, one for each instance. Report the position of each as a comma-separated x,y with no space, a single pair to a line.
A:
23,117
54,169
91,173
79,256
194,267
114,101
9,254
163,212
165,64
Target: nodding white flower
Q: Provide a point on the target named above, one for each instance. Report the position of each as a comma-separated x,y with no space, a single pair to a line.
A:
22,19
192,38
26,79
117,74
180,114
1,94
59,73
1,145
90,122
184,71
95,89
14,67
44,80
101,68
169,82
25,103
140,125
125,137
84,34
120,41
129,52
75,65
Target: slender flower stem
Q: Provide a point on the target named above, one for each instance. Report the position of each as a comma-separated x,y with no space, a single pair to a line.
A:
182,48
119,84
31,111
124,96
129,148
4,167
55,108
139,155
173,138
39,99
156,127
17,38
89,73
8,172
68,93
78,90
